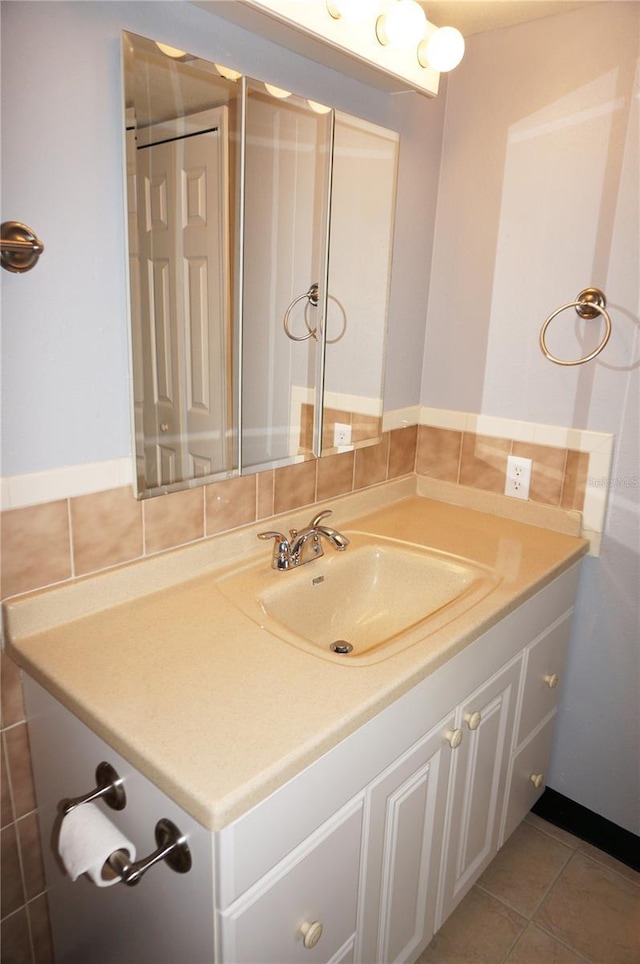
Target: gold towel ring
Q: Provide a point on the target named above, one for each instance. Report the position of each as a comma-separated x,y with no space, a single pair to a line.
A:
589,304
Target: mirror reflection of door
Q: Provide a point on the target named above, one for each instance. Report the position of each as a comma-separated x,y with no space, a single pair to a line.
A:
184,322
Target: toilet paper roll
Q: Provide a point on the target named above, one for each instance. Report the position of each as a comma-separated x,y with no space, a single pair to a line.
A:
87,838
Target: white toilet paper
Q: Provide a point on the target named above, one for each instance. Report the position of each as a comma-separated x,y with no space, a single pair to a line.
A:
87,837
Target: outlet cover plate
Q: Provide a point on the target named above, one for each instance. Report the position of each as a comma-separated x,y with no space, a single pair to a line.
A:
518,478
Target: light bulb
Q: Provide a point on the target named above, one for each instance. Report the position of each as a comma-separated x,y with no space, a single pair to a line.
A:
403,25
170,51
278,91
353,11
318,108
227,72
443,50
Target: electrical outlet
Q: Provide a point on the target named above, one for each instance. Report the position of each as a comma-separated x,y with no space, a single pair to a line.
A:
341,434
518,477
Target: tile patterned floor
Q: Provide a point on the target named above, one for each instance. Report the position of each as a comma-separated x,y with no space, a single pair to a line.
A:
547,898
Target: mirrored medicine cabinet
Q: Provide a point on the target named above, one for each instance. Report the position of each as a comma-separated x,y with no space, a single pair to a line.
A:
260,229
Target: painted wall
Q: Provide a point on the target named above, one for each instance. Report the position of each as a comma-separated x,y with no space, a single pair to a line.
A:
538,199
65,358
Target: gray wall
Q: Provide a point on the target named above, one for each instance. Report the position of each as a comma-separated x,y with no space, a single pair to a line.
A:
538,199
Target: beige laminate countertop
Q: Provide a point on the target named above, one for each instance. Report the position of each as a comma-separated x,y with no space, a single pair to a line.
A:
213,709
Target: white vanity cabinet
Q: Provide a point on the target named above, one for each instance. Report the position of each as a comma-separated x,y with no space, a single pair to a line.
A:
443,777
484,722
405,808
359,857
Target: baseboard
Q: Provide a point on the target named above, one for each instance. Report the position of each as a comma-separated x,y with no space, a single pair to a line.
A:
589,826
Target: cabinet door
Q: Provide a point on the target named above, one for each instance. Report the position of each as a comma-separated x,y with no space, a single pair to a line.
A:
405,816
544,666
480,764
305,909
528,776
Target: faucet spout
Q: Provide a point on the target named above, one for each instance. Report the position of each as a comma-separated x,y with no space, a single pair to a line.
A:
337,540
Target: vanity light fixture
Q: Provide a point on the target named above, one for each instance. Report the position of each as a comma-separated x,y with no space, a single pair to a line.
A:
277,91
380,42
443,50
403,24
353,11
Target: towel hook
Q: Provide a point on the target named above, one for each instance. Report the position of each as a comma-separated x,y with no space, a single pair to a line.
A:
590,303
20,248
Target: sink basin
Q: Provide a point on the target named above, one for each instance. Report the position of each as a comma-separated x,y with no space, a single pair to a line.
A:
374,599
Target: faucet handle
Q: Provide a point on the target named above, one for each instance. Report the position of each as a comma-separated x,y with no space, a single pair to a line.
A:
272,535
281,558
318,519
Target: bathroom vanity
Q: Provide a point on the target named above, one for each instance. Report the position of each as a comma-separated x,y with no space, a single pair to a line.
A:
334,812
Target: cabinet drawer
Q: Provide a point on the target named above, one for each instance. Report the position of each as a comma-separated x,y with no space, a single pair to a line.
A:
531,760
318,882
544,666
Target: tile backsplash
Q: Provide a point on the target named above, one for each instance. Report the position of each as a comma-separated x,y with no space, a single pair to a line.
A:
61,540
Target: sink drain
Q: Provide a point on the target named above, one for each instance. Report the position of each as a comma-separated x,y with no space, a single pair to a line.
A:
342,647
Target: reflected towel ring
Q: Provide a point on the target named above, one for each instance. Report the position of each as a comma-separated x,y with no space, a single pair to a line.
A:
312,297
590,304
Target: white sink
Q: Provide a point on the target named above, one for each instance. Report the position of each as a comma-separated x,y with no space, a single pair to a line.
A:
378,596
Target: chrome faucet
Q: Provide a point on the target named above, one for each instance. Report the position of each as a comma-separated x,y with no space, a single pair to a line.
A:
303,546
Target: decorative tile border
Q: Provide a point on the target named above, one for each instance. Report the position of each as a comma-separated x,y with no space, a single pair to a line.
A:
70,521
597,446
65,482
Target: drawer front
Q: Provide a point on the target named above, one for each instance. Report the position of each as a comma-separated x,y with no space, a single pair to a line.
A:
544,668
317,883
531,761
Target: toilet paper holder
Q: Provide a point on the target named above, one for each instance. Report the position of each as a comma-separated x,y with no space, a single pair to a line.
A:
172,847
171,844
110,788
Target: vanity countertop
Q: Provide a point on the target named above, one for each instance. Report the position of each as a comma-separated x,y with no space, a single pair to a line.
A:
219,712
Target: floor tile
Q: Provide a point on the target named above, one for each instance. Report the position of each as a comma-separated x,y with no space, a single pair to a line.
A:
552,831
481,929
609,861
525,869
595,911
537,947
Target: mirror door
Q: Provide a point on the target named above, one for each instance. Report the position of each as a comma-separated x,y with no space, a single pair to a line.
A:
286,200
